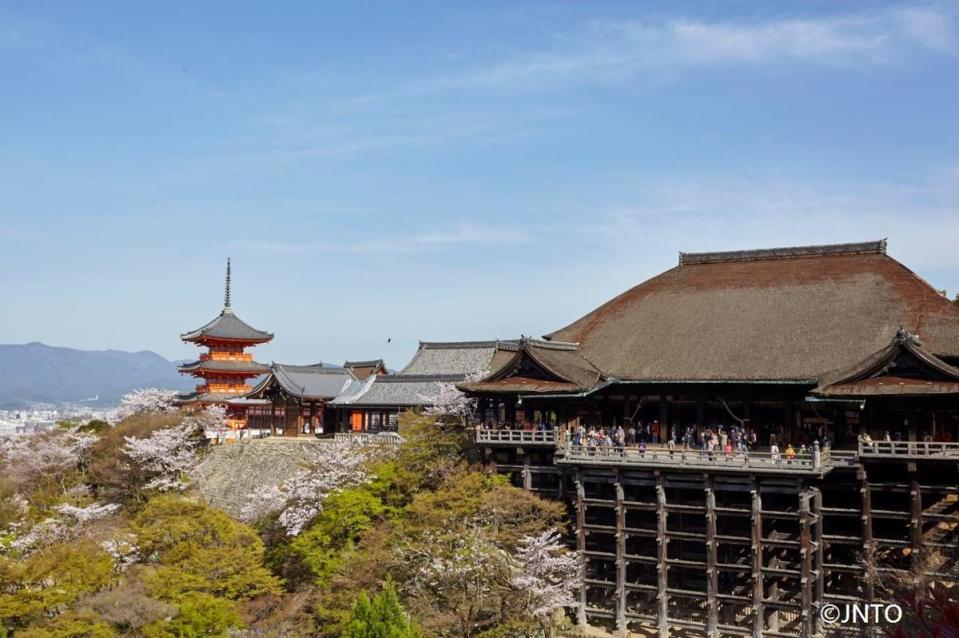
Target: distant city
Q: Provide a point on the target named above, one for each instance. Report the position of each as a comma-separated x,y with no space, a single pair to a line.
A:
43,416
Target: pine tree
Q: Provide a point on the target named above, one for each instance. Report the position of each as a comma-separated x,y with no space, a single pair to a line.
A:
383,617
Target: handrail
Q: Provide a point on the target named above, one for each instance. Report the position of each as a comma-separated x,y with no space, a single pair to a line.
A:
908,448
660,456
516,436
387,437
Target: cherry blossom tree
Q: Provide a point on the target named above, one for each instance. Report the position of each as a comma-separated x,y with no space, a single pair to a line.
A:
143,400
339,464
27,458
211,420
87,513
451,403
459,579
547,575
166,456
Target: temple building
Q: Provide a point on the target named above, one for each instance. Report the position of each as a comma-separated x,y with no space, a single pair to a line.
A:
375,405
225,369
838,369
295,400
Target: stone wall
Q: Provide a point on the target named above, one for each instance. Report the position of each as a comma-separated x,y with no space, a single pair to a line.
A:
230,473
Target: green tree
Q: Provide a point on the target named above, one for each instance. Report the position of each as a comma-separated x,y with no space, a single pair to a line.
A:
50,579
196,549
383,617
346,514
200,616
72,624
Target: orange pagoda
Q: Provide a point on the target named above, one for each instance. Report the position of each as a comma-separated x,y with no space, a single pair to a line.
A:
225,367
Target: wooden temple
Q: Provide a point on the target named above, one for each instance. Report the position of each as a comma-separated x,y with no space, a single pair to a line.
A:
839,351
226,367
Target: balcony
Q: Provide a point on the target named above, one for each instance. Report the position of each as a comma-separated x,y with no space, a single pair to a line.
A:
517,437
660,457
910,450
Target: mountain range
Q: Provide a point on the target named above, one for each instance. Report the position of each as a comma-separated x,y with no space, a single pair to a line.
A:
38,373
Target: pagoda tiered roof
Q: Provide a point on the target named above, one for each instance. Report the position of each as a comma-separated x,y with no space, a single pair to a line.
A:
225,366
227,327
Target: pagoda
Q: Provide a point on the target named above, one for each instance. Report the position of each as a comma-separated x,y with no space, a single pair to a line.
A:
225,367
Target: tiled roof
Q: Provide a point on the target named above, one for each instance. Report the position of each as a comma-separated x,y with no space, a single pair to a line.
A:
214,365
401,390
227,327
320,381
456,357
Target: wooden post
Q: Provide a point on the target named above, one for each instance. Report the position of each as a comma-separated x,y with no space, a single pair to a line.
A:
662,615
806,557
868,546
712,573
820,559
527,474
757,566
581,548
915,523
620,558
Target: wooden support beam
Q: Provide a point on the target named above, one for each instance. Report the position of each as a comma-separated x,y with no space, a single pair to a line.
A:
915,509
527,474
662,613
712,573
819,590
620,558
757,566
806,550
868,546
581,548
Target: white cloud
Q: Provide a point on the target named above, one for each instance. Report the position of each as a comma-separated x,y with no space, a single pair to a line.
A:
614,50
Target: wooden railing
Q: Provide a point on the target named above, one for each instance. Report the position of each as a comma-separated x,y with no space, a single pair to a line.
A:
909,448
810,462
543,437
384,438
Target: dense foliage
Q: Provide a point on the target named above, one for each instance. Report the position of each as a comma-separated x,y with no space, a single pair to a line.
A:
101,534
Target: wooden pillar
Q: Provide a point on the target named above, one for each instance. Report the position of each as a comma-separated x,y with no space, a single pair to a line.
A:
700,411
757,566
806,551
581,548
620,558
915,509
712,573
820,559
663,412
868,546
662,614
527,473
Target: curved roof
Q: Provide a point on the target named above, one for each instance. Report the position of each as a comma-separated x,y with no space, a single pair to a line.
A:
540,367
227,327
401,391
225,366
455,357
319,381
790,314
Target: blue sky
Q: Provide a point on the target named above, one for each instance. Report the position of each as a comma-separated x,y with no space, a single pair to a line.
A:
441,170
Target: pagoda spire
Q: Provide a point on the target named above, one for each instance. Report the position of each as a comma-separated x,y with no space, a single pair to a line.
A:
226,296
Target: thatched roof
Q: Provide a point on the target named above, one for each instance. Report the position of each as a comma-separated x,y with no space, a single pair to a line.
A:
773,315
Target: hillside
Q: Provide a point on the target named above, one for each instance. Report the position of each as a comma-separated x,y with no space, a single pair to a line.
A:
38,373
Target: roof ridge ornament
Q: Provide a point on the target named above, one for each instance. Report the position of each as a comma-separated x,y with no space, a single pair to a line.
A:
904,336
227,297
790,252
